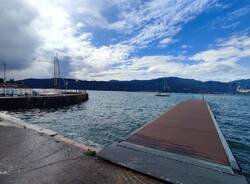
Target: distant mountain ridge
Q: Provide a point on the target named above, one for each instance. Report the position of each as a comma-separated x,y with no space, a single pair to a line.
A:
175,84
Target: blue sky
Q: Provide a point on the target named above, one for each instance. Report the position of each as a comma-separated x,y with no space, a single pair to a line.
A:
127,39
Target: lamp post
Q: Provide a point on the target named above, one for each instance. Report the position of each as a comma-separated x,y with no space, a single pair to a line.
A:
4,71
4,76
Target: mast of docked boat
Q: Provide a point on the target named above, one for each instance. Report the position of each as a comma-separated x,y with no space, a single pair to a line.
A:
164,83
164,80
56,73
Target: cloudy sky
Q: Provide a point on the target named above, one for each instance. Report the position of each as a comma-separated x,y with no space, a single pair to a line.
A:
126,39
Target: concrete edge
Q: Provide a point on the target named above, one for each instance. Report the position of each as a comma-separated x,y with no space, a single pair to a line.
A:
232,161
23,124
20,123
165,169
68,141
179,158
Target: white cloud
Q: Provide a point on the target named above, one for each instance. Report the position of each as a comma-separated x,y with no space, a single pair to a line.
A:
58,24
58,33
239,13
233,49
142,21
220,64
79,25
166,41
184,46
98,60
160,19
63,27
230,20
239,41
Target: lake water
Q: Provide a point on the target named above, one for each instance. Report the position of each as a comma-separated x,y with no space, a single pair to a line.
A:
108,116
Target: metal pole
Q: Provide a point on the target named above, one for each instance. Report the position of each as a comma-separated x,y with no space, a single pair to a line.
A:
4,77
4,71
56,73
58,70
55,85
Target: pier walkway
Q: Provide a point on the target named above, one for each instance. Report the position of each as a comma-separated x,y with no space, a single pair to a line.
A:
184,145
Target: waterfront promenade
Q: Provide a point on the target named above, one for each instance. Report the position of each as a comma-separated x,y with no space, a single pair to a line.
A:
33,155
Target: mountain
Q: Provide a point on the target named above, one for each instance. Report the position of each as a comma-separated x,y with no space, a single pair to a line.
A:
175,84
245,83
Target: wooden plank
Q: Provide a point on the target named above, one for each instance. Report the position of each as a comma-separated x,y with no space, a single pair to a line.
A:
187,129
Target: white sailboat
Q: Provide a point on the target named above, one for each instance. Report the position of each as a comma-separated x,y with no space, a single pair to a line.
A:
164,93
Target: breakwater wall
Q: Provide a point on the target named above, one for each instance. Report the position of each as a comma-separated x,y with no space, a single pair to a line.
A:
50,101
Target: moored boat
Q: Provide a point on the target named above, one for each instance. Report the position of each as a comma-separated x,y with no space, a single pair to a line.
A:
164,92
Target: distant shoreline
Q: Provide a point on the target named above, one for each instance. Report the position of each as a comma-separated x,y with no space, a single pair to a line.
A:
176,85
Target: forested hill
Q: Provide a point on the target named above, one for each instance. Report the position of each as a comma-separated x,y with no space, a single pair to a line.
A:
174,85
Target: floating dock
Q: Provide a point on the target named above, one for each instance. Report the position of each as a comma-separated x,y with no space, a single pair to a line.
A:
184,145
45,101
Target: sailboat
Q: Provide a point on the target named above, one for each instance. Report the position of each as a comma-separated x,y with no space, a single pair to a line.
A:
163,92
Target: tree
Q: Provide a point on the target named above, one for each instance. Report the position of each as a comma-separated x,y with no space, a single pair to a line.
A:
11,81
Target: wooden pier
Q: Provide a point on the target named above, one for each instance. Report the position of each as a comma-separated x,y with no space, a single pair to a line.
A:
184,145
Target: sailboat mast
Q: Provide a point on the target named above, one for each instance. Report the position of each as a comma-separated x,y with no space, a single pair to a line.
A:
164,84
56,72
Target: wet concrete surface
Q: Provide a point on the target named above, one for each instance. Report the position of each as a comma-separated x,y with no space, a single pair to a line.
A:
27,156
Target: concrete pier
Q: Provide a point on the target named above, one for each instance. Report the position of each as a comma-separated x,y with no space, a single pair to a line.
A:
31,154
184,145
49,101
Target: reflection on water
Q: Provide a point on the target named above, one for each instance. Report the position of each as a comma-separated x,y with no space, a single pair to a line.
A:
108,116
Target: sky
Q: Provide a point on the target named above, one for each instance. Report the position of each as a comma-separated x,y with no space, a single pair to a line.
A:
126,39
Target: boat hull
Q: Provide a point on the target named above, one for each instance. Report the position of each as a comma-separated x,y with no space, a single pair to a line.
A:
162,94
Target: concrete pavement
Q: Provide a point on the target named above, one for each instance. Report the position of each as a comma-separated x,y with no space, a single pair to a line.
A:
31,157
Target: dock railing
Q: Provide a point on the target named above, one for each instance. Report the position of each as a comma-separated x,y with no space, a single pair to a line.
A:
15,91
